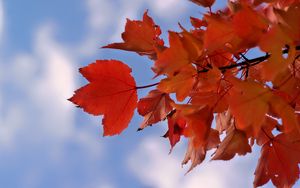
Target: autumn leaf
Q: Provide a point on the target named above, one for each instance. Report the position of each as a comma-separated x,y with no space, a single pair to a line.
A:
111,93
213,139
236,33
265,133
223,121
154,107
181,83
199,119
249,25
172,59
176,126
290,19
287,115
193,44
197,23
276,63
185,48
245,98
141,37
219,34
278,162
196,153
213,99
220,58
285,84
235,142
209,81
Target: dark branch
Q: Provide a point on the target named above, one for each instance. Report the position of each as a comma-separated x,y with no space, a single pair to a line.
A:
248,62
146,86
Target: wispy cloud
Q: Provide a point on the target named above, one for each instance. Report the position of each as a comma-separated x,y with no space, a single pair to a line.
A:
37,123
155,168
43,79
106,19
168,9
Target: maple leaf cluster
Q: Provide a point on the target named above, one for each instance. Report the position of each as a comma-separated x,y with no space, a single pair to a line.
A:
252,101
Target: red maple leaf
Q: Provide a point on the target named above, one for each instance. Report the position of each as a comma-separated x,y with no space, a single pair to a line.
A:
111,92
140,36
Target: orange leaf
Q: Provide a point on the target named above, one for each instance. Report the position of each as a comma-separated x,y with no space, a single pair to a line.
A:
154,107
140,36
199,119
111,92
266,131
176,125
287,82
181,83
249,25
196,154
235,142
214,99
279,162
223,121
246,97
273,42
219,34
290,20
193,44
286,113
220,58
213,139
209,81
197,23
172,59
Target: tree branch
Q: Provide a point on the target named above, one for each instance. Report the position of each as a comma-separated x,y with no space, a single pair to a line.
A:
248,62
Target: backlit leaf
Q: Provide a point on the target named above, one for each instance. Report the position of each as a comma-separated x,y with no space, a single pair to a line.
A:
278,162
154,107
235,142
140,36
111,93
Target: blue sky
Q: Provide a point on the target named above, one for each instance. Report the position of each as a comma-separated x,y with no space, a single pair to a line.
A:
46,142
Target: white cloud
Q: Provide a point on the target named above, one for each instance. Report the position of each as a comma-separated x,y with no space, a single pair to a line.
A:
45,79
168,9
36,120
10,124
56,83
106,19
155,168
98,13
37,123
